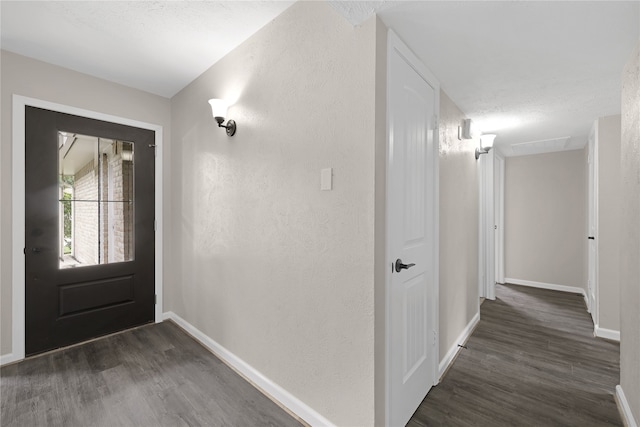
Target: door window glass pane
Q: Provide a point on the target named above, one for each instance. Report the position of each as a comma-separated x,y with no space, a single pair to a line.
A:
96,197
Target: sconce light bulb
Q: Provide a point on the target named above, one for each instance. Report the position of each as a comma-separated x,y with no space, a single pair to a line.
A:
218,108
486,141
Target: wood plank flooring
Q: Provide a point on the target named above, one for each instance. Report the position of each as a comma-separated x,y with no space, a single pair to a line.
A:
532,361
155,375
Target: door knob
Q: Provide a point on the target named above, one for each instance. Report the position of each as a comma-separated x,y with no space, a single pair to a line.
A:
401,266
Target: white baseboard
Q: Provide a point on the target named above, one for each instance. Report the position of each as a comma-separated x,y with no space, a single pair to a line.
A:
609,334
273,390
9,358
624,408
453,351
551,286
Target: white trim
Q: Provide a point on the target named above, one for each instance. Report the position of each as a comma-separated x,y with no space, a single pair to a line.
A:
593,196
624,408
264,384
480,178
455,348
609,334
18,210
395,43
486,229
550,286
17,225
499,164
436,241
9,358
158,233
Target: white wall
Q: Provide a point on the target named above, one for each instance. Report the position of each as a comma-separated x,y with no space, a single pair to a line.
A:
630,235
35,79
545,218
380,223
278,272
608,239
459,300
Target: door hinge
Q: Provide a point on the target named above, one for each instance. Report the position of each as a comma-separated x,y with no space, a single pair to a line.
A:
435,337
24,251
155,225
155,299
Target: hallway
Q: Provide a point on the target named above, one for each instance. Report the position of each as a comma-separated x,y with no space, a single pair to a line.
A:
532,361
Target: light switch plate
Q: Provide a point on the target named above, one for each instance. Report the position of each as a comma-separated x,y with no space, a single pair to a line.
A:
326,179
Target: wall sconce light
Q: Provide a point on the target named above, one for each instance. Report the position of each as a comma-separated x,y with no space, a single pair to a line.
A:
467,130
219,110
486,143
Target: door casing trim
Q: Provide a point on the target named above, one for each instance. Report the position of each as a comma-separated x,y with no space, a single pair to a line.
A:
18,210
593,297
499,163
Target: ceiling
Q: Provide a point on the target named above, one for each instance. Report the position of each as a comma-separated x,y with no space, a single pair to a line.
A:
156,46
529,71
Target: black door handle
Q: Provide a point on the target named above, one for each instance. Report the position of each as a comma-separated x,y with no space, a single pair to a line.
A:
36,250
591,238
401,266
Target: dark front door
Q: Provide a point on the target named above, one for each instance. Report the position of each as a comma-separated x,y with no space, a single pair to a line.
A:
89,228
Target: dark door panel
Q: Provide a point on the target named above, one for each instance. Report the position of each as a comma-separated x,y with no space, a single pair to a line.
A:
89,228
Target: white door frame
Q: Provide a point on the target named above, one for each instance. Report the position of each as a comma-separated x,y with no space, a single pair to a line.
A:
592,210
486,255
498,194
395,43
18,211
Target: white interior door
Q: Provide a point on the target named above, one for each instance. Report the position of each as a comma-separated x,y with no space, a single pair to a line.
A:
412,237
487,270
592,226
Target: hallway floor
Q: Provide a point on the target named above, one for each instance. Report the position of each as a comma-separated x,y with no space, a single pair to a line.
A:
155,375
532,361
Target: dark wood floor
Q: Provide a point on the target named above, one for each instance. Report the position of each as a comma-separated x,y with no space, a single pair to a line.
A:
151,376
532,361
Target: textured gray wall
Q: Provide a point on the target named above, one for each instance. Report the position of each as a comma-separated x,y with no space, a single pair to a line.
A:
609,199
630,241
273,269
545,218
459,192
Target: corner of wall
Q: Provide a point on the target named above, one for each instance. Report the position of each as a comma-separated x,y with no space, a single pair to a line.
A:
380,237
630,241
